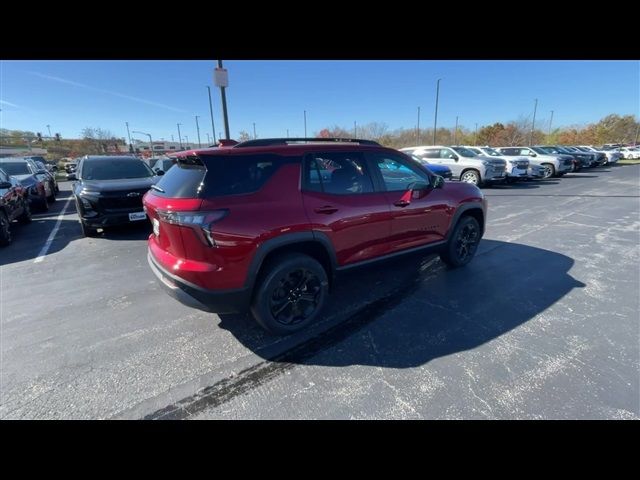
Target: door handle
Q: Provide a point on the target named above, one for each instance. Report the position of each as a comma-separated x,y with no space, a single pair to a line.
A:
327,209
402,203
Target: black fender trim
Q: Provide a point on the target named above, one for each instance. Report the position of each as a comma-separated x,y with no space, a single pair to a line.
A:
288,239
465,207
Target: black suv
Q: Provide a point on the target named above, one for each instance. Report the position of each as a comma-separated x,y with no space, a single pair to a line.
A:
109,191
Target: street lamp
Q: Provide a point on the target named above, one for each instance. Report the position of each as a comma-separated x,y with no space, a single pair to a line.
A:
179,136
198,128
150,141
186,140
435,121
49,128
533,123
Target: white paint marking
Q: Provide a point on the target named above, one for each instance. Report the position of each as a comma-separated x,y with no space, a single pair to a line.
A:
52,235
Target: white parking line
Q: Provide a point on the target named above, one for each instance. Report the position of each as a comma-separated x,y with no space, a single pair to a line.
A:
52,235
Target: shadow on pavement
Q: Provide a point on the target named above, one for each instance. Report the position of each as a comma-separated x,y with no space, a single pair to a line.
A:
408,312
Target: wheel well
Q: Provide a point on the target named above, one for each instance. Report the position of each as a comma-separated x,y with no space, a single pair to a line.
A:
471,169
477,214
314,249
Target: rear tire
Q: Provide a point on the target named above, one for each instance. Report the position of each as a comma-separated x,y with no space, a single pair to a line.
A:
290,293
463,243
471,176
5,230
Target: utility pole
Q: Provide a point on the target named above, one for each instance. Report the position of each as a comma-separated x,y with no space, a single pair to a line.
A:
213,126
198,129
305,124
418,129
455,133
254,131
550,120
179,136
224,107
435,121
129,135
533,123
475,135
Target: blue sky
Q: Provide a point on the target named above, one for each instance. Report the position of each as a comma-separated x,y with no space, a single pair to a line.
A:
153,96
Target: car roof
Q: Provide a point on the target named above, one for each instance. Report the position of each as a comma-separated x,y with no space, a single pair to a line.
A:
109,157
14,159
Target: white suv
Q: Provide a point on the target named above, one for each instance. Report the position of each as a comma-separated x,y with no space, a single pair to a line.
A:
554,165
517,167
465,165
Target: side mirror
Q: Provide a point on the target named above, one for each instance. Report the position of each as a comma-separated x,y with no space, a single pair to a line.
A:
419,186
532,154
5,185
437,181
455,157
71,176
159,172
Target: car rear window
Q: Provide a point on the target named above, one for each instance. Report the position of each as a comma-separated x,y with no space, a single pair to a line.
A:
217,175
16,168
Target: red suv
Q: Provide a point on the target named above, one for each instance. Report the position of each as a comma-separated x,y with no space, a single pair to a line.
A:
267,224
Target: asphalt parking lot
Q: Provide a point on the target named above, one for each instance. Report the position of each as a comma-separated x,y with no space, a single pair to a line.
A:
544,323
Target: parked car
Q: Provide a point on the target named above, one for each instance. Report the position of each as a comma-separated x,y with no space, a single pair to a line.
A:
48,176
252,227
38,191
464,164
442,170
554,165
163,165
612,156
109,191
516,166
629,152
14,205
580,160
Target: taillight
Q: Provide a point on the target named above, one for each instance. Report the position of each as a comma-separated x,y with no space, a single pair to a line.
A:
201,222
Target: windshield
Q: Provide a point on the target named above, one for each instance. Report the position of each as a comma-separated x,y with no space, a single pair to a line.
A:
16,168
543,150
114,169
465,152
490,151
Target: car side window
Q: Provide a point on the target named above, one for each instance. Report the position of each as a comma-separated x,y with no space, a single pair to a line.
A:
3,177
446,153
432,153
396,174
339,173
525,151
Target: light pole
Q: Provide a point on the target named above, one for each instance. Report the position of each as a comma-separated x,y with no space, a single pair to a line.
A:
305,124
49,128
172,138
198,129
435,120
150,141
455,133
208,139
223,94
475,135
186,140
550,120
213,126
254,131
179,136
355,129
418,129
287,133
129,135
533,123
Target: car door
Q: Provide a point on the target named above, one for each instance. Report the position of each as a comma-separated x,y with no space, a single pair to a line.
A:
449,158
340,201
418,218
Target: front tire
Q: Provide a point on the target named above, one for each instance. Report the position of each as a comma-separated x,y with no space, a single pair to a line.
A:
463,243
5,230
549,170
87,231
25,217
290,293
471,176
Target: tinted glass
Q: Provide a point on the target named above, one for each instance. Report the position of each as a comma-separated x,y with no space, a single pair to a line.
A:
16,168
465,152
239,174
114,169
3,177
398,176
184,180
338,173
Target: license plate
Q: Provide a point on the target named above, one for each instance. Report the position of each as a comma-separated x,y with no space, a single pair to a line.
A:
156,227
135,216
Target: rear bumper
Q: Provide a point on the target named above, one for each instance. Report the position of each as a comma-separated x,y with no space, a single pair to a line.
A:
218,301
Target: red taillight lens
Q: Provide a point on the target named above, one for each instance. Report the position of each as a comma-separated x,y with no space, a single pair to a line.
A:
200,221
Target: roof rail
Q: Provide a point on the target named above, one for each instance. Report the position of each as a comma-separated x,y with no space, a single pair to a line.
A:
264,142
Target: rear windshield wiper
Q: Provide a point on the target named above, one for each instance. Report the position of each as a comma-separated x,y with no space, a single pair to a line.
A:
155,187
